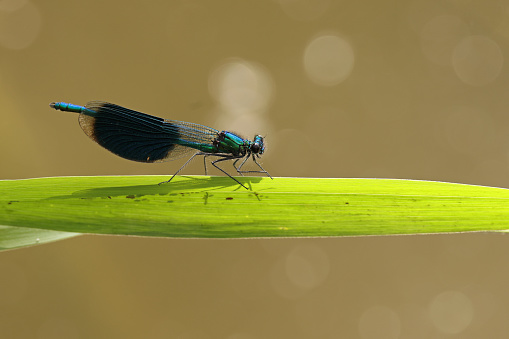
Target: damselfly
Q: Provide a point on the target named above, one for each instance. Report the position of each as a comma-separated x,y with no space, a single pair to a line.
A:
145,138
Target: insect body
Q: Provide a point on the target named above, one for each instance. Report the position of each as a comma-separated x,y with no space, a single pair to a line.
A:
145,138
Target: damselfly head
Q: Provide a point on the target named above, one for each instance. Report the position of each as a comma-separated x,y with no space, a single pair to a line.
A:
257,147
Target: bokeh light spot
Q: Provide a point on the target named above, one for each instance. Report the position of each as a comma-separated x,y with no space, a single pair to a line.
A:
451,312
328,60
307,266
299,271
477,60
20,24
241,87
379,322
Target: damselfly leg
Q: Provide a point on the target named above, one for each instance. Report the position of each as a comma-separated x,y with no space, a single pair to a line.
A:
256,162
205,155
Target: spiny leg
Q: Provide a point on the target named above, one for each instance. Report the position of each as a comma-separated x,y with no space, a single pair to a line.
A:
240,166
211,155
256,162
180,169
263,170
225,157
235,163
205,163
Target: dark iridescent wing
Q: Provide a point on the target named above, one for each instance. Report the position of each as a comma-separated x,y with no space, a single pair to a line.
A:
141,137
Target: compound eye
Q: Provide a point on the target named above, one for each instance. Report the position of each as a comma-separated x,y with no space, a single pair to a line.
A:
255,148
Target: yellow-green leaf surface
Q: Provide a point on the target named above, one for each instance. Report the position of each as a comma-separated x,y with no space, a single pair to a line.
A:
13,237
217,207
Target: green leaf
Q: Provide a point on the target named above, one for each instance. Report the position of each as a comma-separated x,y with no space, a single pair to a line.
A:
13,237
217,207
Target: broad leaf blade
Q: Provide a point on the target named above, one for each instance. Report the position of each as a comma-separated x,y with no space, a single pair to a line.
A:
216,207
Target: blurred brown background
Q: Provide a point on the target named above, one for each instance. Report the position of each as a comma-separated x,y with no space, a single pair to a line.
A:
385,89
